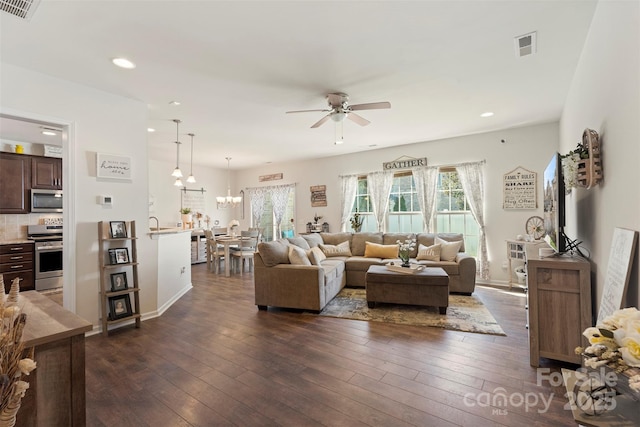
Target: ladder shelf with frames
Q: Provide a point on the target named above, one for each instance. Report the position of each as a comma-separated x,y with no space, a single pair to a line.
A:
119,291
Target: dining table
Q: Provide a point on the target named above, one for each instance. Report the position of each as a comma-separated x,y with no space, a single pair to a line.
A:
228,241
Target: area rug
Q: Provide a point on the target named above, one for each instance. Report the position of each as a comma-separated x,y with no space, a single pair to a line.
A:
465,313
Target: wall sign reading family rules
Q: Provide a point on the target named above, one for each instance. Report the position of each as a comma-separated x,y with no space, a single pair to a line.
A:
114,167
519,189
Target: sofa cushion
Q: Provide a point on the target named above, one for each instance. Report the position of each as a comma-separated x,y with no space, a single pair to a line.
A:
316,256
359,240
358,263
374,250
429,253
299,242
298,256
313,239
453,237
332,269
274,253
449,250
341,249
392,238
335,238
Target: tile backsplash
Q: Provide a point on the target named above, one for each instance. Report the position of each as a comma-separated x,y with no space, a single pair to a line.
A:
14,226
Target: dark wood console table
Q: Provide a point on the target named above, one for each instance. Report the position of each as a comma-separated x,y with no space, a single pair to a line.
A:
56,394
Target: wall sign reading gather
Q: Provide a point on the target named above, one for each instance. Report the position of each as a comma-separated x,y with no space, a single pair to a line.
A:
519,190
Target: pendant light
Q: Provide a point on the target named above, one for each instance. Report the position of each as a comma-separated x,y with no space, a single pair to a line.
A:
191,179
177,172
228,200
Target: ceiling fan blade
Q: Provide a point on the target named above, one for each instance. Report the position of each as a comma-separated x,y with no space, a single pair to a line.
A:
358,119
308,111
370,106
321,121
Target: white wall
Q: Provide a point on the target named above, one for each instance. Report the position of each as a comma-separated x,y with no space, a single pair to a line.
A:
166,196
605,96
530,147
99,122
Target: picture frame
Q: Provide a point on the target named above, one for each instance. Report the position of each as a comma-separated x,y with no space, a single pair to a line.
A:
118,229
119,282
120,307
119,256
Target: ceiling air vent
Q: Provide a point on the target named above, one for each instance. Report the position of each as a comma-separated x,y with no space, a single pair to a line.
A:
21,8
525,45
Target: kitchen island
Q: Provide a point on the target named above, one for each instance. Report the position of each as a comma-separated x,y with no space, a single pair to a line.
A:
56,394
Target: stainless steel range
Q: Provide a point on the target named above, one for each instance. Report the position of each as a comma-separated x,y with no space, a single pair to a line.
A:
48,253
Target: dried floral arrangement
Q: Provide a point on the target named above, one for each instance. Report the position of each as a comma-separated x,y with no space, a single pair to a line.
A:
15,361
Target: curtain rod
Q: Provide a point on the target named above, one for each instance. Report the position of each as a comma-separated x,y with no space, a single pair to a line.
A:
270,186
479,162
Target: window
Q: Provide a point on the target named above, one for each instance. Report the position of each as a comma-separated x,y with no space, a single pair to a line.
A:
452,212
405,216
404,210
268,220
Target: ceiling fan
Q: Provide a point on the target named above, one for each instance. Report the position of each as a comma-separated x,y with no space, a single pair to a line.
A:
339,108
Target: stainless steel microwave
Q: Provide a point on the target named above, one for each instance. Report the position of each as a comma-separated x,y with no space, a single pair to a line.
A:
46,200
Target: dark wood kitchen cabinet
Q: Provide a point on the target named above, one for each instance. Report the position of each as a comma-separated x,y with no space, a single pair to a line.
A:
16,260
46,173
15,183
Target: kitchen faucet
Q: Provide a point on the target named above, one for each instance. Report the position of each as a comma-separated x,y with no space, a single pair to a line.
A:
157,222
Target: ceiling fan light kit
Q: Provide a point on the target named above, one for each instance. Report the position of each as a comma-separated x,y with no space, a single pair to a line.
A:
339,109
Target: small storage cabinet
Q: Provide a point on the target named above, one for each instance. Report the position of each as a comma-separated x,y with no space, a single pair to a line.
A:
15,182
119,291
46,173
559,307
16,260
198,247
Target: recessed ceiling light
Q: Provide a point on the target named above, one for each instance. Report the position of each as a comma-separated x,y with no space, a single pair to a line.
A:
150,130
487,114
174,103
123,63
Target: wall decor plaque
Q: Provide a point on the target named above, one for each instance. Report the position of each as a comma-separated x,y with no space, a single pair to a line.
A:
318,195
115,167
519,189
271,177
404,162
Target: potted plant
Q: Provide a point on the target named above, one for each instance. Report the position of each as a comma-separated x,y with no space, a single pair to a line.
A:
356,222
186,215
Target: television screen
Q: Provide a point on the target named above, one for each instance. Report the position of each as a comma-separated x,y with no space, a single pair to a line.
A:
554,195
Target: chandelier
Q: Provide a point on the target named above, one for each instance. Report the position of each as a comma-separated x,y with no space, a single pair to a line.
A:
228,201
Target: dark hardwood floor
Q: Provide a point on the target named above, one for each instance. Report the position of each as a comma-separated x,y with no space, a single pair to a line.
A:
213,359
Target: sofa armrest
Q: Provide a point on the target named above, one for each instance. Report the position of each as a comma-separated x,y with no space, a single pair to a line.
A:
466,267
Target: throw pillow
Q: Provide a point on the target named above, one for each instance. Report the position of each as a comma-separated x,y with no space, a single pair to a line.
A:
273,253
316,256
342,249
298,256
429,253
299,241
449,250
374,250
313,239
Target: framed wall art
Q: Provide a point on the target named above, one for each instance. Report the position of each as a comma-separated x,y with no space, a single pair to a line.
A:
114,167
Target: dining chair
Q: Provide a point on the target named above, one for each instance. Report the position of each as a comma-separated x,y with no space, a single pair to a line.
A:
244,252
215,252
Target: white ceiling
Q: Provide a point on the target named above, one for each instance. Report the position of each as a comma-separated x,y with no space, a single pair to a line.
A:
237,66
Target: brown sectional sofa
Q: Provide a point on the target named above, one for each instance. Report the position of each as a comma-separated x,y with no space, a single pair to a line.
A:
310,287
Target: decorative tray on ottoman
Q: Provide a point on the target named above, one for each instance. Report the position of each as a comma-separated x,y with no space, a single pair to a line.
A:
412,269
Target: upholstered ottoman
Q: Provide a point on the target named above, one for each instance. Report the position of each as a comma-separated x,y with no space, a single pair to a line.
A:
427,287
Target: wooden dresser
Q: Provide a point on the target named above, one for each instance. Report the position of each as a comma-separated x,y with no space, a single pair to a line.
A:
559,293
56,394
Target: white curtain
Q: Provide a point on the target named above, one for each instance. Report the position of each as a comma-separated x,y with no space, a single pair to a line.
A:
256,199
349,186
472,180
379,186
279,200
426,181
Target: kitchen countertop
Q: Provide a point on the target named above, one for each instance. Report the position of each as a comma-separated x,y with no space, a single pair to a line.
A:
168,230
15,241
